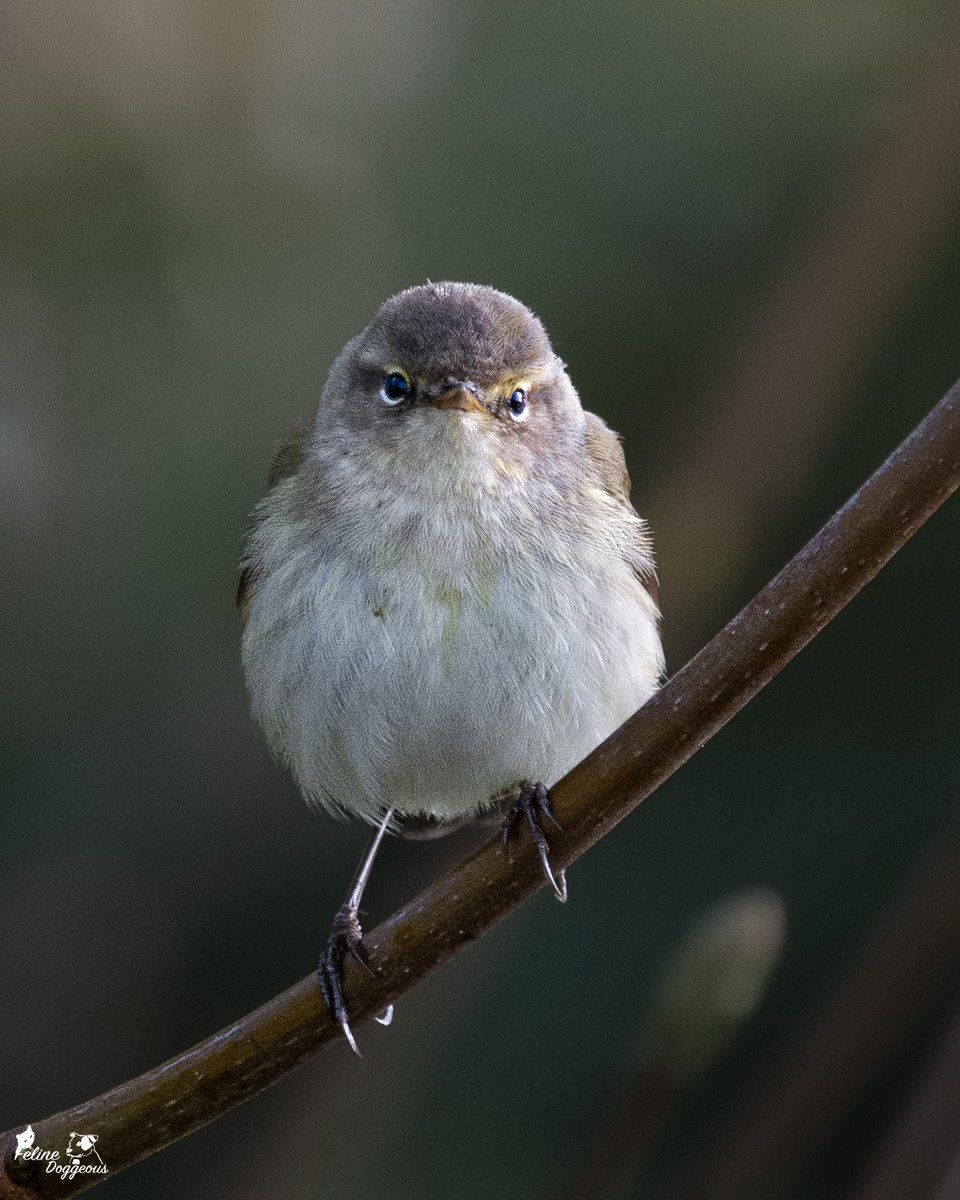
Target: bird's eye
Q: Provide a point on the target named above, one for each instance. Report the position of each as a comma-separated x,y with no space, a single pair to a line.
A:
396,387
518,404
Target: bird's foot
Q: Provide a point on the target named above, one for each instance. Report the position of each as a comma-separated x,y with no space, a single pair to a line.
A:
532,800
346,938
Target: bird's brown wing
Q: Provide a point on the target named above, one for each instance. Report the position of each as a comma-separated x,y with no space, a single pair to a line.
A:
606,455
289,452
287,457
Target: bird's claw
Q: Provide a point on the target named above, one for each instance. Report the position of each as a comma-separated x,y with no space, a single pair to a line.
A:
346,937
532,800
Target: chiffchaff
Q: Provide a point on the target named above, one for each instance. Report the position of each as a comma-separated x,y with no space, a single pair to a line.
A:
448,599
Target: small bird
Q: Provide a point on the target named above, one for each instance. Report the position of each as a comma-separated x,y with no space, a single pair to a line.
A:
448,599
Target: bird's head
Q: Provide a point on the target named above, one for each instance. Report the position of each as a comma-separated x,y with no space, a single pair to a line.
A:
454,365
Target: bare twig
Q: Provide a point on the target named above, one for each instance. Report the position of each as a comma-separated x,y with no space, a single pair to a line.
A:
713,980
818,331
920,1154
799,1099
949,1189
141,1116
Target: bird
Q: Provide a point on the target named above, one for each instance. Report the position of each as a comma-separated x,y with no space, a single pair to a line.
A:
447,597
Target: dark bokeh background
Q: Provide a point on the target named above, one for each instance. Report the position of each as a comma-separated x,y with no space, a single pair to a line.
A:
741,224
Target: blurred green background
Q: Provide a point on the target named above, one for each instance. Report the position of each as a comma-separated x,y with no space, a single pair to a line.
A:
741,224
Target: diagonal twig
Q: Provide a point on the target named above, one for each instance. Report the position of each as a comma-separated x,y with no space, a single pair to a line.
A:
714,978
145,1114
798,1100
816,333
919,1155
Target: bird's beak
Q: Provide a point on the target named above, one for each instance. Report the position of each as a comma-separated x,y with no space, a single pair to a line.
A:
459,395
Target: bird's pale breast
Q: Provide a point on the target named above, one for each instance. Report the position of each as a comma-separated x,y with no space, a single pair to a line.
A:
441,652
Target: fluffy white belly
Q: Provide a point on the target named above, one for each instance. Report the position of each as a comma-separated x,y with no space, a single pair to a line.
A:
432,691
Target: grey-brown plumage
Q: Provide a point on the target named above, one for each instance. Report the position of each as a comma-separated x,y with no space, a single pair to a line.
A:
446,591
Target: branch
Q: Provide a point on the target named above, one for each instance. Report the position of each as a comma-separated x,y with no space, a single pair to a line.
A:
142,1116
815,335
919,1155
713,980
797,1101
